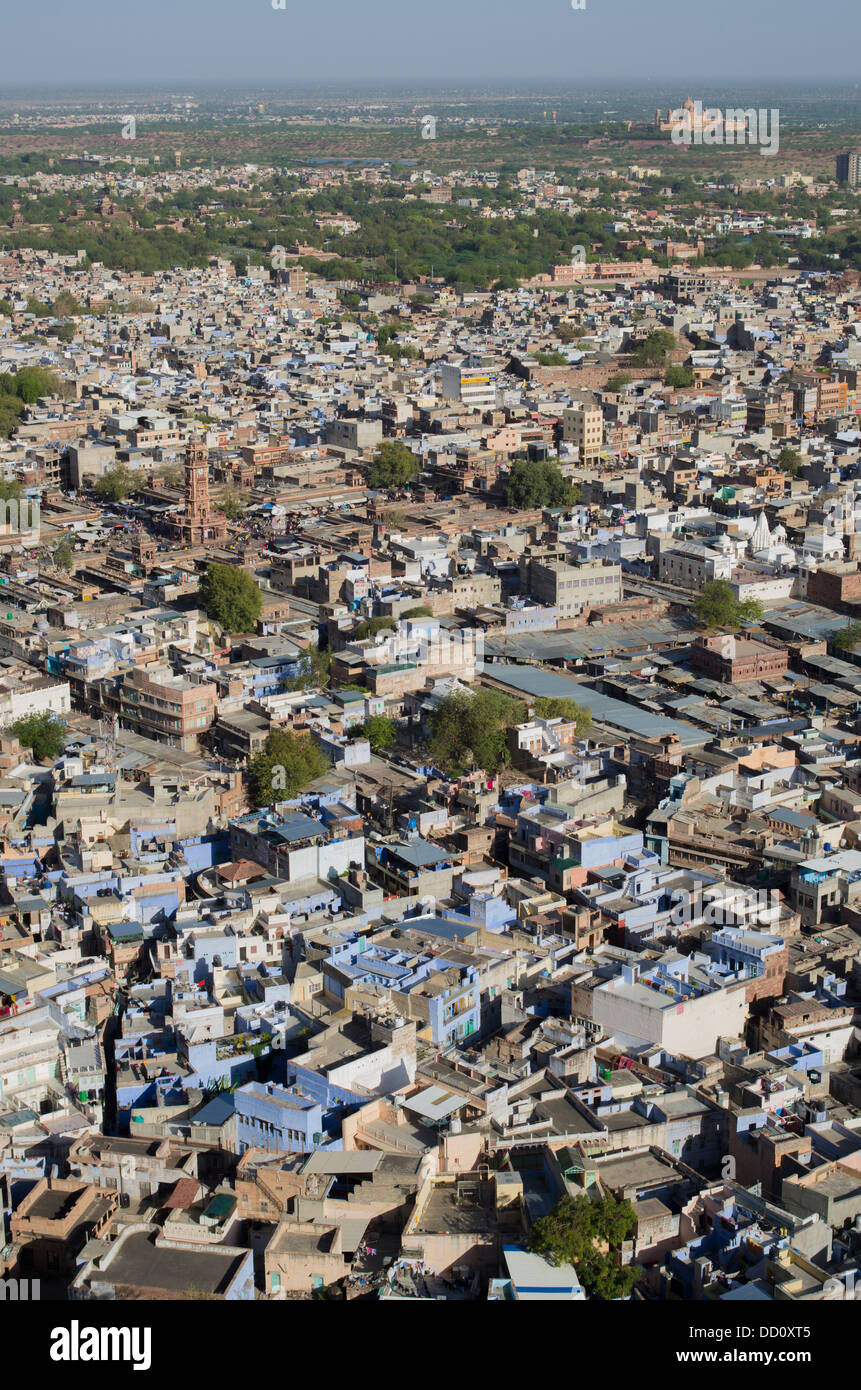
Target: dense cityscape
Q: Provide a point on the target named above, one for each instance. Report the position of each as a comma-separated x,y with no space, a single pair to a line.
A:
430,700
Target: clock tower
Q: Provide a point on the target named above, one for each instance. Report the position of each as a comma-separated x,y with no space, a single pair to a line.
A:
199,523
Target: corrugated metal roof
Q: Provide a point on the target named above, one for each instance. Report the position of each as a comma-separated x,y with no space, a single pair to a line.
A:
586,641
215,1112
419,853
532,680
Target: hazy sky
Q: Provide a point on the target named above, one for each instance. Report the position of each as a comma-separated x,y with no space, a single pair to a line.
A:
428,42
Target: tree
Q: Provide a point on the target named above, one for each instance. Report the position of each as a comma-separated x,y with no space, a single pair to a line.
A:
369,627
43,733
63,556
6,309
231,597
32,382
173,474
717,606
551,359
285,765
653,349
538,484
38,308
470,727
578,1231
66,332
677,375
562,708
422,611
847,639
136,305
66,306
319,665
569,332
10,490
316,664
394,465
116,483
232,503
398,350
11,409
618,382
790,461
380,732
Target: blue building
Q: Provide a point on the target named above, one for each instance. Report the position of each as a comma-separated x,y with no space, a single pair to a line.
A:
277,1117
429,988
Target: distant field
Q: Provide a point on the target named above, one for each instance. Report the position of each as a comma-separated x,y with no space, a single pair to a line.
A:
295,143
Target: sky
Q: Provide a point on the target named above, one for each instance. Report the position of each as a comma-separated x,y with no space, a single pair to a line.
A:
429,43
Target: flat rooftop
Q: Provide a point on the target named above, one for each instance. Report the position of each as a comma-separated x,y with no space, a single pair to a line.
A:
623,1119
634,1170
839,1185
140,1263
55,1204
442,1215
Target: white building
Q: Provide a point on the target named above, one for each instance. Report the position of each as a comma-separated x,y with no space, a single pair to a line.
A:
474,386
683,1021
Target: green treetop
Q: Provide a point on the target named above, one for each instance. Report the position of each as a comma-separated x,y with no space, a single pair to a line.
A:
379,731
540,484
717,606
561,708
231,597
578,1231
44,734
394,465
285,766
469,729
116,483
